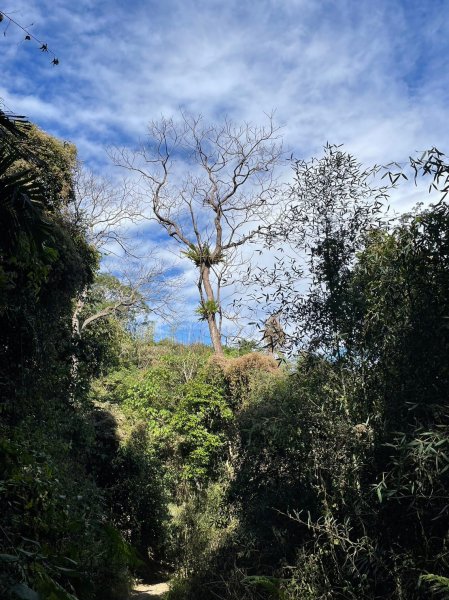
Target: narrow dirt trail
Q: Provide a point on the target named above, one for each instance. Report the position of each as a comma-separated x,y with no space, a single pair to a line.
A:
145,591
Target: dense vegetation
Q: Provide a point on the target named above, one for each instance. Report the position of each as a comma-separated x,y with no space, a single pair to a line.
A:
324,475
60,532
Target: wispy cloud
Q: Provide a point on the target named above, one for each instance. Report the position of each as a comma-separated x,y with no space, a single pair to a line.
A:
370,75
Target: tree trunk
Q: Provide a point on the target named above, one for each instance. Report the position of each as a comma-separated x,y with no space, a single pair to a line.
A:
76,334
215,334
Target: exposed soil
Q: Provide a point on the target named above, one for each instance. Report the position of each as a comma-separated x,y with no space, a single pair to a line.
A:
145,591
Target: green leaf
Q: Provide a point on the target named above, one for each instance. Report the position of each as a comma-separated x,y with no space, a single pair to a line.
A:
270,584
22,591
8,558
379,493
50,588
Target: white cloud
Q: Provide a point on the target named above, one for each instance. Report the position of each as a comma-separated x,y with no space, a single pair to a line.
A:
369,75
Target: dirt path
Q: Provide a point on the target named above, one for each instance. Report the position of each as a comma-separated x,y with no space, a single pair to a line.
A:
144,591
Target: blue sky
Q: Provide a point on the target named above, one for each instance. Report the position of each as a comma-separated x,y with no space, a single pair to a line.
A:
372,75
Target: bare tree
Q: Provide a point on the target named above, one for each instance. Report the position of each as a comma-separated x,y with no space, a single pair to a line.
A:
105,211
212,188
103,208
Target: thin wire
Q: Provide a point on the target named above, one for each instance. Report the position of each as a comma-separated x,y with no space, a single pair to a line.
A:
29,36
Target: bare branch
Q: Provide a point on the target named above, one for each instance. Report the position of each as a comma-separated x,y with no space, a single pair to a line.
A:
212,188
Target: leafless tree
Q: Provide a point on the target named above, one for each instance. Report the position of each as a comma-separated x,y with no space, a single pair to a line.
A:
212,188
105,211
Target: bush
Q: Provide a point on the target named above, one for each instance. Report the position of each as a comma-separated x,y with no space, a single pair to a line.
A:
55,536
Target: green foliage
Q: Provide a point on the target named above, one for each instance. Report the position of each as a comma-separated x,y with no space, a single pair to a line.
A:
203,256
340,469
271,584
57,537
328,480
149,391
186,415
246,346
438,585
400,291
108,291
131,477
199,423
207,308
52,162
246,377
26,245
54,538
99,348
199,527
